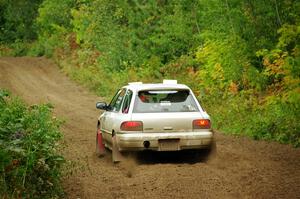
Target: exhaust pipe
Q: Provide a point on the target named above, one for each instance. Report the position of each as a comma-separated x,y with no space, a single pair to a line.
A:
146,144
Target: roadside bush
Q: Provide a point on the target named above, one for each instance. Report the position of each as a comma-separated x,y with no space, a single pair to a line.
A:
5,50
17,48
245,114
30,163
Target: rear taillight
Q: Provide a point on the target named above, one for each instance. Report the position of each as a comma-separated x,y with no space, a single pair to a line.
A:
132,126
201,124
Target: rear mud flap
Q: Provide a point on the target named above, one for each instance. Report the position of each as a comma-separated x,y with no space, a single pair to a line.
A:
116,154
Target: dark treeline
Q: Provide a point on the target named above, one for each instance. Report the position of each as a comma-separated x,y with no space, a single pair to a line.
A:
242,58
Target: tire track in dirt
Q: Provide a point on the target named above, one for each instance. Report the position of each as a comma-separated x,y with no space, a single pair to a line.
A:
242,168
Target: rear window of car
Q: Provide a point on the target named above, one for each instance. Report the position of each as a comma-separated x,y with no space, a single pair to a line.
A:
155,101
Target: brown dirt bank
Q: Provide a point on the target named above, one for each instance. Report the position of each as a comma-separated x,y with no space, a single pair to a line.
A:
242,168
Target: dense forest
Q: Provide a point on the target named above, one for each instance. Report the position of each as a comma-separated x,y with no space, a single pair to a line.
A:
242,58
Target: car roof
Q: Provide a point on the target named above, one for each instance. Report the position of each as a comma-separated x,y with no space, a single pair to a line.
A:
140,86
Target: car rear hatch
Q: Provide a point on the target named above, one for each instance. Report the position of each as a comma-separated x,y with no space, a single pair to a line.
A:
167,122
166,110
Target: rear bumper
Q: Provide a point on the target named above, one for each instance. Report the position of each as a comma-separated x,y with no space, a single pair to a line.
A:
186,140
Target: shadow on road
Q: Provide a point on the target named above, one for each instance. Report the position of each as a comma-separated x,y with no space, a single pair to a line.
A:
173,157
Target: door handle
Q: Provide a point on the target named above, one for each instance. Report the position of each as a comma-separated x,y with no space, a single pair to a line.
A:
168,128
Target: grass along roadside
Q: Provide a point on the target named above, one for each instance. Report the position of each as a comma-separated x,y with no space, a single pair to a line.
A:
30,143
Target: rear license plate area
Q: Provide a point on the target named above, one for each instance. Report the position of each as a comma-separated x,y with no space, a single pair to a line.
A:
168,144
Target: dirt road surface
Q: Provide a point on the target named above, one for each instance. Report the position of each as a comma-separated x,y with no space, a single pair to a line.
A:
242,168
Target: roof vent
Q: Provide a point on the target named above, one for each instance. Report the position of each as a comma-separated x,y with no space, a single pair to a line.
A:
131,83
169,81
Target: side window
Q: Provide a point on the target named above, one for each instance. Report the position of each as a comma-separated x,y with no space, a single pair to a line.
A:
114,99
116,102
127,100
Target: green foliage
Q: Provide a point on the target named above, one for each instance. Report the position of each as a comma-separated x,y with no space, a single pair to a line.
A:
133,32
246,115
30,165
269,108
54,15
53,25
17,20
5,50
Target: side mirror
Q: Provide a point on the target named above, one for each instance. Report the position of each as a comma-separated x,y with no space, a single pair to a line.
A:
101,105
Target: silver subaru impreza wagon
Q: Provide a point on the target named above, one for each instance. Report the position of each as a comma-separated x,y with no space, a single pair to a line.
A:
161,117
